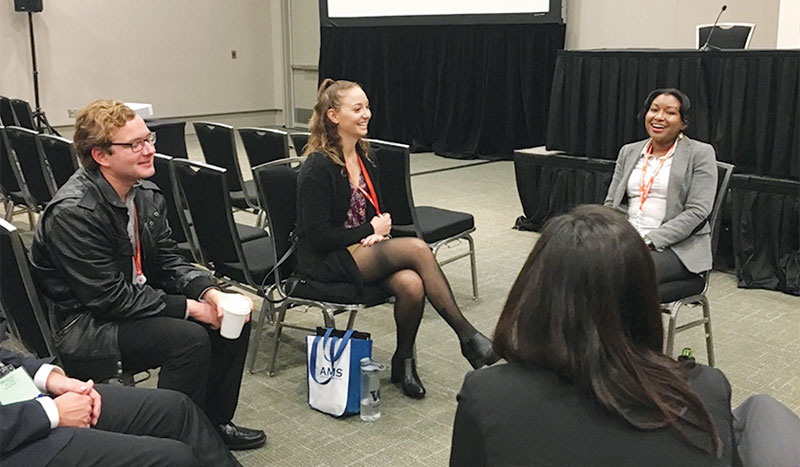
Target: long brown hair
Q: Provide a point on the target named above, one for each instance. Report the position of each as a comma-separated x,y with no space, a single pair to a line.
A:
324,133
586,307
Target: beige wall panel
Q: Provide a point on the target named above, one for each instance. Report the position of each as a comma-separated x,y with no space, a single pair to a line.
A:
174,54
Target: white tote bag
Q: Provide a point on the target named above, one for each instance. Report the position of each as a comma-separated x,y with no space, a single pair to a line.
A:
328,373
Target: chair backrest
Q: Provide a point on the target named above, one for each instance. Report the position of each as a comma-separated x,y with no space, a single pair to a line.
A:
60,155
299,141
19,297
170,137
24,114
7,116
277,191
726,35
9,170
395,176
219,149
724,174
38,179
163,179
204,189
264,145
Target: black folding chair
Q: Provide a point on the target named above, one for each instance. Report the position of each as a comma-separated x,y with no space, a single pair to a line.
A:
19,298
11,190
243,264
277,182
60,155
299,141
437,227
692,292
170,137
219,149
7,117
181,231
264,145
39,186
24,114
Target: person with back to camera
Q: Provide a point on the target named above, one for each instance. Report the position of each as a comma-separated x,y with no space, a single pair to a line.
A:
343,236
587,382
667,185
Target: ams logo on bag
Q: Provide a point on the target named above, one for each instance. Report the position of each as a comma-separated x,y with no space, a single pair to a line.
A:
332,372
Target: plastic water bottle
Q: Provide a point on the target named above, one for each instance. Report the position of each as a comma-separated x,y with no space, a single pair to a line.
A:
370,390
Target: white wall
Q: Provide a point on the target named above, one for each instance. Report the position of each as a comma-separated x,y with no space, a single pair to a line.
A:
672,24
789,25
174,54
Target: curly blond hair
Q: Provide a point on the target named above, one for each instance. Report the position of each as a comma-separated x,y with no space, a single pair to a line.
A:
94,125
324,133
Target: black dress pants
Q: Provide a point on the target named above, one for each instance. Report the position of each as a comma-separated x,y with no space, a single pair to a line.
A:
194,360
145,427
668,267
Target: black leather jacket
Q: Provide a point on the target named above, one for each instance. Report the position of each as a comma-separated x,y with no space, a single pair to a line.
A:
82,264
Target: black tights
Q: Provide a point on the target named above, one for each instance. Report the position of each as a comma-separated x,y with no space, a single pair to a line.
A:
408,268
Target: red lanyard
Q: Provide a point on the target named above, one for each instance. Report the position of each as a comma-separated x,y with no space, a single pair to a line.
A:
372,197
644,188
137,254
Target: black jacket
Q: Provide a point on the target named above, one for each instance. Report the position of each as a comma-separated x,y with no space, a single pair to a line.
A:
323,198
82,259
517,415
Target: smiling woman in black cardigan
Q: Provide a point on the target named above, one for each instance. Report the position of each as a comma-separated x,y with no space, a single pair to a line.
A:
343,236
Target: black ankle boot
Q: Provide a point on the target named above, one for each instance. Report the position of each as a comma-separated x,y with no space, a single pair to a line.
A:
478,351
404,371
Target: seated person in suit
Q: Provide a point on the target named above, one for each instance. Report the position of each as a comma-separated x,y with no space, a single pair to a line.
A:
666,185
79,423
587,382
343,236
114,285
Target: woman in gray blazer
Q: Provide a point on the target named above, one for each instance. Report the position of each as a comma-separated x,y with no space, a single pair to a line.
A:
666,186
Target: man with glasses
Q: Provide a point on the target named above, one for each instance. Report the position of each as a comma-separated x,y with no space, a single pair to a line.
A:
119,296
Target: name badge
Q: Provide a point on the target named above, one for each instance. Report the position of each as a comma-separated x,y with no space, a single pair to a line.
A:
17,386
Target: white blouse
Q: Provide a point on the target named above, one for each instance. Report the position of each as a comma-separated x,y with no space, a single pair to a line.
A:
650,215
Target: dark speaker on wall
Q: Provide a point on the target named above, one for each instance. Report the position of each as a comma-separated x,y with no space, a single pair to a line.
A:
28,5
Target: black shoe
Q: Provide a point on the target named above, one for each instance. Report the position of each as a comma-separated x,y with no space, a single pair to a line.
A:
478,351
404,371
239,437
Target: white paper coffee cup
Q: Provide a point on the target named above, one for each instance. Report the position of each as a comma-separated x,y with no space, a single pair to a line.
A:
234,312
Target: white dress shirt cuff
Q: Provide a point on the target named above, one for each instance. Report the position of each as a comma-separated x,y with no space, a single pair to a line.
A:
40,378
50,409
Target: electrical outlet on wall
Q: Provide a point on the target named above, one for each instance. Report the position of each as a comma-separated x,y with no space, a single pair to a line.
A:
233,55
71,113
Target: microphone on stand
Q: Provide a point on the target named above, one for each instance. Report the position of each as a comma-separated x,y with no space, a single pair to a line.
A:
711,33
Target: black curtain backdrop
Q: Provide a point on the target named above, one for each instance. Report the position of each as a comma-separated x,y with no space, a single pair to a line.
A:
462,91
745,103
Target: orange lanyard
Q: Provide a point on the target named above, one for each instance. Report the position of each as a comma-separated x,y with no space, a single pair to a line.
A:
644,188
372,197
137,254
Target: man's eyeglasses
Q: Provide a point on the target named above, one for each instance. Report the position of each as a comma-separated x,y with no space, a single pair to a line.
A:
138,145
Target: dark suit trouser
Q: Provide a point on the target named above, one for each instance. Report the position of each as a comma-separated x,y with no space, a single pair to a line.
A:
194,360
668,267
145,427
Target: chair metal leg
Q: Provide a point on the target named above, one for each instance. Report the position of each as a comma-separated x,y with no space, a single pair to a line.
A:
673,320
31,221
8,205
473,266
709,334
266,309
276,339
352,319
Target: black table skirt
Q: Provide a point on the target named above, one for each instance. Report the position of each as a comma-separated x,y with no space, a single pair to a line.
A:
760,233
462,91
745,103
